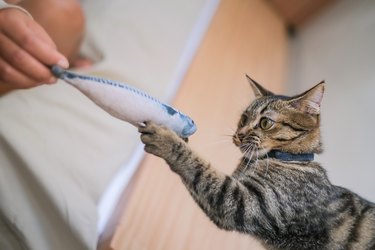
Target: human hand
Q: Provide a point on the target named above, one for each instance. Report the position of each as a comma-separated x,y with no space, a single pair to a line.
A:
26,52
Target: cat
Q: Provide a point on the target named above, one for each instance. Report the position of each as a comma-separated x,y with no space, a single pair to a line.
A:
278,193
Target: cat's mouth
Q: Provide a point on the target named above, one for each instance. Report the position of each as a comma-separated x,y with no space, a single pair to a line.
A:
250,146
237,140
246,143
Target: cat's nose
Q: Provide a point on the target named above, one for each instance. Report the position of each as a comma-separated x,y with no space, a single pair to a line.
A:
242,132
241,135
237,138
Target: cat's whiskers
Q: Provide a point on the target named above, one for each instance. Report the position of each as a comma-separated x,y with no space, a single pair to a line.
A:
228,139
267,161
222,141
231,131
247,165
256,161
246,148
248,153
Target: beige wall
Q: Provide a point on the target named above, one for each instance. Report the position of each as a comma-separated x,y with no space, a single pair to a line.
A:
339,46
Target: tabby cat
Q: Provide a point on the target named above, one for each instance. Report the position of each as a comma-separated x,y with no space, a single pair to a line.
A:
278,193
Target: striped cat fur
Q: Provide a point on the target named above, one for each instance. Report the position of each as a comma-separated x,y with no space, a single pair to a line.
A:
285,204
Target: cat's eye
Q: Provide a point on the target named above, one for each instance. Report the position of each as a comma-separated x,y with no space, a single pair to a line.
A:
266,123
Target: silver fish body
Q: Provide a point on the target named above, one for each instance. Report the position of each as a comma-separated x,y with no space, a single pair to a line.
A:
128,103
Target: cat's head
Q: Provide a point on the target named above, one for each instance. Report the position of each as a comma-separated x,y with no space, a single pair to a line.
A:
275,122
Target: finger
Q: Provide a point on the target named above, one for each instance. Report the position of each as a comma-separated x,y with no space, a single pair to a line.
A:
23,62
33,39
10,76
43,35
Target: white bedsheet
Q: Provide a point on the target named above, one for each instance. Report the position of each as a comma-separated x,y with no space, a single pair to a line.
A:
60,154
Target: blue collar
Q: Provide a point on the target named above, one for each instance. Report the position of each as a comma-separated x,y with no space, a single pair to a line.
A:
284,156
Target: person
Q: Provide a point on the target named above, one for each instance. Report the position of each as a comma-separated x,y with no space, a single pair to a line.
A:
34,35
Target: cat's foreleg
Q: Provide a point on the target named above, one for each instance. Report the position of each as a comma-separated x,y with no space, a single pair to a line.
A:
223,198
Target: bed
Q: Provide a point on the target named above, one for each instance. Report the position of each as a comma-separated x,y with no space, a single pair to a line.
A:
64,162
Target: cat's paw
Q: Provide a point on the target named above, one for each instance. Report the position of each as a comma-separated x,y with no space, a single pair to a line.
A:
159,140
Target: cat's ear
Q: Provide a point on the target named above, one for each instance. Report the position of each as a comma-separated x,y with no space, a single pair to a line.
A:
309,101
259,91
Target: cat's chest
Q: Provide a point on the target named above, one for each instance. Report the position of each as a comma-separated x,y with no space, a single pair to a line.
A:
281,178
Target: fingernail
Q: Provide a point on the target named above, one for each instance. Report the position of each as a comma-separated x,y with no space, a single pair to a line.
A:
52,80
63,63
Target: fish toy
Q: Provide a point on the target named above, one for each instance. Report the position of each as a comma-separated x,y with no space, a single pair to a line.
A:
128,103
